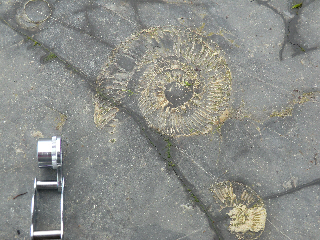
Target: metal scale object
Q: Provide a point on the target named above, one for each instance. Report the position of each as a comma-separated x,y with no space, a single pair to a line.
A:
49,155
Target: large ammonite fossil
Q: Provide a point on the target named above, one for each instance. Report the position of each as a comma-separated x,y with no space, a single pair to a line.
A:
180,80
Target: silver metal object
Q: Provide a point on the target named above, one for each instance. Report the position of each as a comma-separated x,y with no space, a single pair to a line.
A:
49,155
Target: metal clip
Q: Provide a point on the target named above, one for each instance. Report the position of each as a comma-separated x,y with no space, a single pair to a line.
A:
49,156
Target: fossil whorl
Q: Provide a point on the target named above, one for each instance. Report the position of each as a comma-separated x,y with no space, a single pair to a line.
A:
180,80
246,208
33,14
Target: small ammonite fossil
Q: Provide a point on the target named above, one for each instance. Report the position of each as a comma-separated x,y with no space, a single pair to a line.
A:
33,14
247,212
180,80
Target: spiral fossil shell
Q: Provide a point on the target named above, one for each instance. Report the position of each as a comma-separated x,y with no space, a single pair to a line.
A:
180,80
247,212
40,11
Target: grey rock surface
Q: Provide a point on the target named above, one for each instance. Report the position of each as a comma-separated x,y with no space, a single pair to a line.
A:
75,69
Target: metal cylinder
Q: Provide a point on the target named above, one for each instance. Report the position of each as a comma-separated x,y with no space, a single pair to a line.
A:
49,152
51,234
47,185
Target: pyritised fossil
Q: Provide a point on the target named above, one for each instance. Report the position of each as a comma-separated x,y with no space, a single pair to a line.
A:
247,212
179,80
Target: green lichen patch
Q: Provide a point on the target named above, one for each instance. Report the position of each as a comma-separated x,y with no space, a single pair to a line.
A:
168,147
35,43
296,6
50,56
171,164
